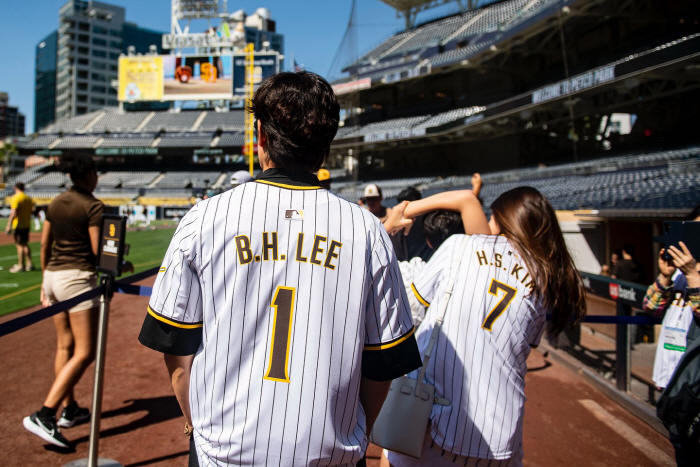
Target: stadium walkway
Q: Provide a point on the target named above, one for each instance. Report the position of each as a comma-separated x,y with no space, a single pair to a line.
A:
567,421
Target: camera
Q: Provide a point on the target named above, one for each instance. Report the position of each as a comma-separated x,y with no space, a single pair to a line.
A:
687,232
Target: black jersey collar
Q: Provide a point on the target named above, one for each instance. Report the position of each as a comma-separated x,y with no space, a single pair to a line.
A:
289,180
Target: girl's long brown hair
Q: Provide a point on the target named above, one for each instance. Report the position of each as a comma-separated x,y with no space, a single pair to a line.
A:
528,221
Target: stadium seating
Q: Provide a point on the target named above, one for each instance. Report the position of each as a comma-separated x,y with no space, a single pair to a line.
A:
460,36
658,180
116,198
118,122
126,179
72,124
127,140
231,139
51,180
41,142
188,180
182,121
77,142
185,140
226,121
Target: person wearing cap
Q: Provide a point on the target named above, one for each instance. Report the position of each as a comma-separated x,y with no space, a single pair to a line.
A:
240,177
324,176
372,199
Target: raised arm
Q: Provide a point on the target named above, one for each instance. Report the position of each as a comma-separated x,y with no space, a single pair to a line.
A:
461,201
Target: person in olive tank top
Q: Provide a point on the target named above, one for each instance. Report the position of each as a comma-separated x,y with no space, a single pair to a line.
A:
68,249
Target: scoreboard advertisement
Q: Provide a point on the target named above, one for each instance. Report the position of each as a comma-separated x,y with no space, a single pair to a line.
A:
194,77
140,78
190,77
266,64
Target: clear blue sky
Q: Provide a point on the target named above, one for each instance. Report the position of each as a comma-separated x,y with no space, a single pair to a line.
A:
313,31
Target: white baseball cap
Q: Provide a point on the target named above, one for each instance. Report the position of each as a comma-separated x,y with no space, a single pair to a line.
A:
240,177
372,191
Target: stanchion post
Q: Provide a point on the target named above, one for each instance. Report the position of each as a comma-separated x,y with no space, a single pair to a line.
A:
109,261
622,349
96,417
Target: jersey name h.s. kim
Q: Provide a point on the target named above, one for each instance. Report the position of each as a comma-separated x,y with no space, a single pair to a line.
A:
287,295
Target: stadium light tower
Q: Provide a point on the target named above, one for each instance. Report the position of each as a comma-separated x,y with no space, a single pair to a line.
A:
221,36
409,9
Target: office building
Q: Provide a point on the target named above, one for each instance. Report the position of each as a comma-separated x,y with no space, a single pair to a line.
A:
11,119
90,38
45,81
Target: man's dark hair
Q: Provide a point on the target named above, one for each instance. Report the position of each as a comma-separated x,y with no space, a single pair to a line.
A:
408,194
298,114
439,225
78,166
19,186
629,249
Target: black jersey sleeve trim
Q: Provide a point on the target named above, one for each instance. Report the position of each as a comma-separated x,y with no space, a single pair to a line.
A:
163,337
392,362
423,301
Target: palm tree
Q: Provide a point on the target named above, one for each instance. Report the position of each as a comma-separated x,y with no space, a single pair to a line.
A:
6,151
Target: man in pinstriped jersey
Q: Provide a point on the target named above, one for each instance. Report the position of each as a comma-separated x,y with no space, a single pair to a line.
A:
279,306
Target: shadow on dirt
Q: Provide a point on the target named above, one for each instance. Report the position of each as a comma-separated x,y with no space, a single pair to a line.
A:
158,409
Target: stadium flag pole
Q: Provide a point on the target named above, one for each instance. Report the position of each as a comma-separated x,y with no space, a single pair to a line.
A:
96,416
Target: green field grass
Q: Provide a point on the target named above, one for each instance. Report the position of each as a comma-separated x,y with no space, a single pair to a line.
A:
21,290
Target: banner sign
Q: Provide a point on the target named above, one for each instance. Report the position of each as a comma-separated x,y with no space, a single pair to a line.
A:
140,78
266,64
352,86
126,151
196,40
613,289
577,83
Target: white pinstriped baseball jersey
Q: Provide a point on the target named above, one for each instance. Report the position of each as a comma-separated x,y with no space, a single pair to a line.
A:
672,338
288,295
479,358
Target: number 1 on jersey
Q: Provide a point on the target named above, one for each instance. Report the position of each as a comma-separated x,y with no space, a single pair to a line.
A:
283,303
508,295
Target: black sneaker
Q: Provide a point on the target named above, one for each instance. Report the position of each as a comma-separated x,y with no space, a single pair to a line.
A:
70,418
46,429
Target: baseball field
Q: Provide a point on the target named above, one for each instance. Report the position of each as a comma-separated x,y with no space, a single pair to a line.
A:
21,290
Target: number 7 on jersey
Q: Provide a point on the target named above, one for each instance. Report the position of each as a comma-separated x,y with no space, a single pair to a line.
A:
508,295
283,303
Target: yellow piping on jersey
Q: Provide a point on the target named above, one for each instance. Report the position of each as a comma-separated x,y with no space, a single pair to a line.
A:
172,323
420,299
389,345
291,187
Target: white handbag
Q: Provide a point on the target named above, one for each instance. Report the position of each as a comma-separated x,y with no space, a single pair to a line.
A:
404,417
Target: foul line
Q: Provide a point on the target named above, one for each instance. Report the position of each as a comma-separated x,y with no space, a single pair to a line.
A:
20,292
638,441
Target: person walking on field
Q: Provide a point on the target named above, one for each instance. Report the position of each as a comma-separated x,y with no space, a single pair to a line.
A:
279,306
21,220
69,244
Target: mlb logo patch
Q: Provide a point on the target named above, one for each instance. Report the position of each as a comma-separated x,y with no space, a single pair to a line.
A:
294,214
614,290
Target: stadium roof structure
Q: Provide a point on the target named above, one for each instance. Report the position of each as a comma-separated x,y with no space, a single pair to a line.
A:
410,8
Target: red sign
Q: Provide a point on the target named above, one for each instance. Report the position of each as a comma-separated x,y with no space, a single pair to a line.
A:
244,149
614,291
